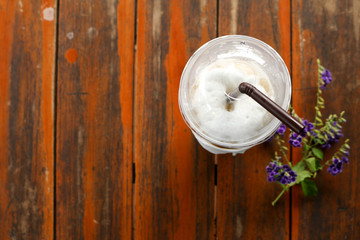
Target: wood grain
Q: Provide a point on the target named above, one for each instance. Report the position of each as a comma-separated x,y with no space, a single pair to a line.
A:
174,189
114,102
335,40
94,120
244,208
26,119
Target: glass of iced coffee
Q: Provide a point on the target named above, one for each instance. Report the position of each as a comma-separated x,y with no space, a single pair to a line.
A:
217,68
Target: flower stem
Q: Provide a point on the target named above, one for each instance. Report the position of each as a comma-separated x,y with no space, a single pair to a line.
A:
282,150
279,196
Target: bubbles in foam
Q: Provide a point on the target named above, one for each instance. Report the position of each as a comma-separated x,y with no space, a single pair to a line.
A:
244,117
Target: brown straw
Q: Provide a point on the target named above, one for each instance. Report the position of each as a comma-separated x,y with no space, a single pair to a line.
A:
268,104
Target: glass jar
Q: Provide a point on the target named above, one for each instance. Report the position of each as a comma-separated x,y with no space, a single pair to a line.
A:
229,48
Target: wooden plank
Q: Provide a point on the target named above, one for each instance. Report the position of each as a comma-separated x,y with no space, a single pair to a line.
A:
27,53
174,189
244,198
94,120
328,30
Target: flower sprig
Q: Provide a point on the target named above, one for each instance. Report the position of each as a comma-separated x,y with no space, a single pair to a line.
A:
318,135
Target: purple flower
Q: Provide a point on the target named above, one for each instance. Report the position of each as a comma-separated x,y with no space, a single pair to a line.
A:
282,173
326,77
336,167
345,159
332,138
281,130
326,145
295,139
309,126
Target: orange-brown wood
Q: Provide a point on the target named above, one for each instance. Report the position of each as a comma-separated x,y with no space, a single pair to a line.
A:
174,188
328,30
244,209
244,198
26,119
94,120
116,105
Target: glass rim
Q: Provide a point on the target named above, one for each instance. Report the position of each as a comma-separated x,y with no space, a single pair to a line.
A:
268,130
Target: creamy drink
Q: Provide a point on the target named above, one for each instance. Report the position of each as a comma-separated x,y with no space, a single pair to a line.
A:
216,69
220,119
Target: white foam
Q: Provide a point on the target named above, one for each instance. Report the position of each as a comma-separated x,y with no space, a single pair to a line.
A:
209,105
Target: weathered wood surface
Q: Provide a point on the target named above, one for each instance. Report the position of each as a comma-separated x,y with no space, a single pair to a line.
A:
330,31
174,188
104,76
27,59
244,208
94,120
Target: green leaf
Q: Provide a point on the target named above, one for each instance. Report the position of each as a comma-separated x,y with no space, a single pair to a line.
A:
300,166
306,147
310,162
318,153
302,175
318,165
300,172
313,164
309,187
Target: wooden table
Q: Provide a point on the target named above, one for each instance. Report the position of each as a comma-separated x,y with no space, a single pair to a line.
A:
92,143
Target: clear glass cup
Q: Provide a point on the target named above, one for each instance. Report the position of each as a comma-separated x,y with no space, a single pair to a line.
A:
244,48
